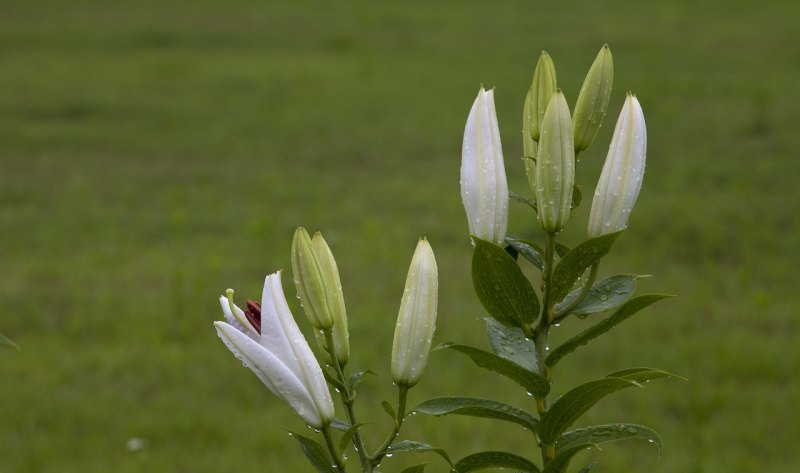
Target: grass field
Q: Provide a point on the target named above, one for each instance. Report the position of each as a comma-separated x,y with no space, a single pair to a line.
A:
153,154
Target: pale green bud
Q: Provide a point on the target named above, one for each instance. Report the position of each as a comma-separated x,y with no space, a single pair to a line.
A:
308,281
541,91
484,190
555,166
334,295
592,104
623,171
416,321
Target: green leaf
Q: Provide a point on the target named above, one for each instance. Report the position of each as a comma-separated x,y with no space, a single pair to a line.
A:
523,200
315,453
357,377
510,343
562,249
569,407
340,424
560,462
476,407
501,286
642,375
588,467
574,263
533,382
387,406
484,460
415,469
405,446
344,442
604,295
7,342
600,434
531,251
628,309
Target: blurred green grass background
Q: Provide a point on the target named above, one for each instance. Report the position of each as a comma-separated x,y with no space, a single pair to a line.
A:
154,153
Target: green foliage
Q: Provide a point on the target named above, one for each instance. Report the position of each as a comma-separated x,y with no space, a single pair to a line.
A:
604,295
415,469
316,454
512,344
627,310
533,383
410,446
600,434
484,460
7,342
577,260
475,407
501,286
531,251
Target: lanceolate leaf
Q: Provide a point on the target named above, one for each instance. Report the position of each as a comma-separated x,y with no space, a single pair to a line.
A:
588,467
531,251
533,382
484,460
600,434
604,295
316,454
628,309
475,407
340,424
574,263
416,447
569,407
577,196
344,442
502,288
357,377
511,344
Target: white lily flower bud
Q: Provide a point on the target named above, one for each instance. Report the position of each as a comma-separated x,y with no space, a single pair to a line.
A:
484,189
592,104
309,283
543,86
267,340
623,171
555,166
416,321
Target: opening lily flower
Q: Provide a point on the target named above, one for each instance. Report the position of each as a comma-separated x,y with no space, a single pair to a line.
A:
265,337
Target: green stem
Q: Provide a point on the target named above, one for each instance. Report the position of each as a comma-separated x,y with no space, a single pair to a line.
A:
584,292
338,463
541,332
348,400
402,395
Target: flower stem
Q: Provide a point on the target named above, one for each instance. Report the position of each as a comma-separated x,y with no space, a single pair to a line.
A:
541,332
402,395
338,463
348,399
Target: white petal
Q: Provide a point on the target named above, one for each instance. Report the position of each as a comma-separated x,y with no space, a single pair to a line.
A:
235,320
280,333
271,371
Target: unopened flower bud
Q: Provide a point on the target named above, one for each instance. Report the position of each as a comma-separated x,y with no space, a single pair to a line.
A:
542,88
623,171
416,321
555,166
308,281
484,189
334,296
592,104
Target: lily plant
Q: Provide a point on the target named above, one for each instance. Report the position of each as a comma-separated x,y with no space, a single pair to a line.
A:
521,312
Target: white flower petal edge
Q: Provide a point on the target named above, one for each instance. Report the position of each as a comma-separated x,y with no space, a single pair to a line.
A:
622,174
280,355
484,189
